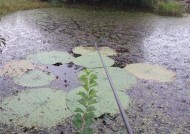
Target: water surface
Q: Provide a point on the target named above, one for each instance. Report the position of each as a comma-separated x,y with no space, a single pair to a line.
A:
162,108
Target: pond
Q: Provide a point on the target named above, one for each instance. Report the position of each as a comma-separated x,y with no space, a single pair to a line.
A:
156,107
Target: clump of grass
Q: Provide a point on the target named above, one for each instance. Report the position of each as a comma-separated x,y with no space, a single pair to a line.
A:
170,8
7,6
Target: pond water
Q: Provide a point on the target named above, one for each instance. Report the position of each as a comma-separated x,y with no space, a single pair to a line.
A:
162,108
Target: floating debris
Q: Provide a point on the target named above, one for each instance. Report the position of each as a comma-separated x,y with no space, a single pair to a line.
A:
122,79
35,78
42,107
51,57
91,51
105,101
92,61
151,72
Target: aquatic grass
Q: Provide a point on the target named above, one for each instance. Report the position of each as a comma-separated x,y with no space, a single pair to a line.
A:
170,8
7,6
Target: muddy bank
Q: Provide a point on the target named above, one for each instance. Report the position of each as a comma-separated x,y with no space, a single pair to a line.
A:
156,107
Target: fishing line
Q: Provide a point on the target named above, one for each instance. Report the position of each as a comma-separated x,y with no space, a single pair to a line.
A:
121,109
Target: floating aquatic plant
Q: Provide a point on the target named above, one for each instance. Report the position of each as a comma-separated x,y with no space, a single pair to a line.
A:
92,50
151,72
105,101
51,57
35,108
92,61
35,78
16,68
122,79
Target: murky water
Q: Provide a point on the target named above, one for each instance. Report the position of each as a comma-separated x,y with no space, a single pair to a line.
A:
162,108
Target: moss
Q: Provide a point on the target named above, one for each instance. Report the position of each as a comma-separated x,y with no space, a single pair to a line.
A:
170,9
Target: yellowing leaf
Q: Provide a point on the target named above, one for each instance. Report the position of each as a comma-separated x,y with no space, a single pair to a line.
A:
151,72
91,51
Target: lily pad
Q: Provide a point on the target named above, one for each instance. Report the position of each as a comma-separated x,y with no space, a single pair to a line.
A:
51,57
92,61
105,101
122,79
91,51
35,78
16,68
151,72
35,108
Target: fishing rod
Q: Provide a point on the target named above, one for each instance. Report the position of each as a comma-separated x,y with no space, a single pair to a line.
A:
121,109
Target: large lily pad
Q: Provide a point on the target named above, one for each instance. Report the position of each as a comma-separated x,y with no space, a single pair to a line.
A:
51,57
151,72
16,68
92,50
35,108
105,98
35,78
122,79
92,61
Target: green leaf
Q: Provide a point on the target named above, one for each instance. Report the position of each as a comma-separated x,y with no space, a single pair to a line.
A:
93,77
84,79
86,87
79,110
92,81
87,71
83,102
87,131
91,109
77,121
92,101
92,61
89,122
89,115
83,95
92,93
93,84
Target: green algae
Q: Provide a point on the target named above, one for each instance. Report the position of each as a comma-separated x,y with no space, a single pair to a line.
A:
91,51
42,107
51,57
92,61
151,72
122,79
35,78
105,101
